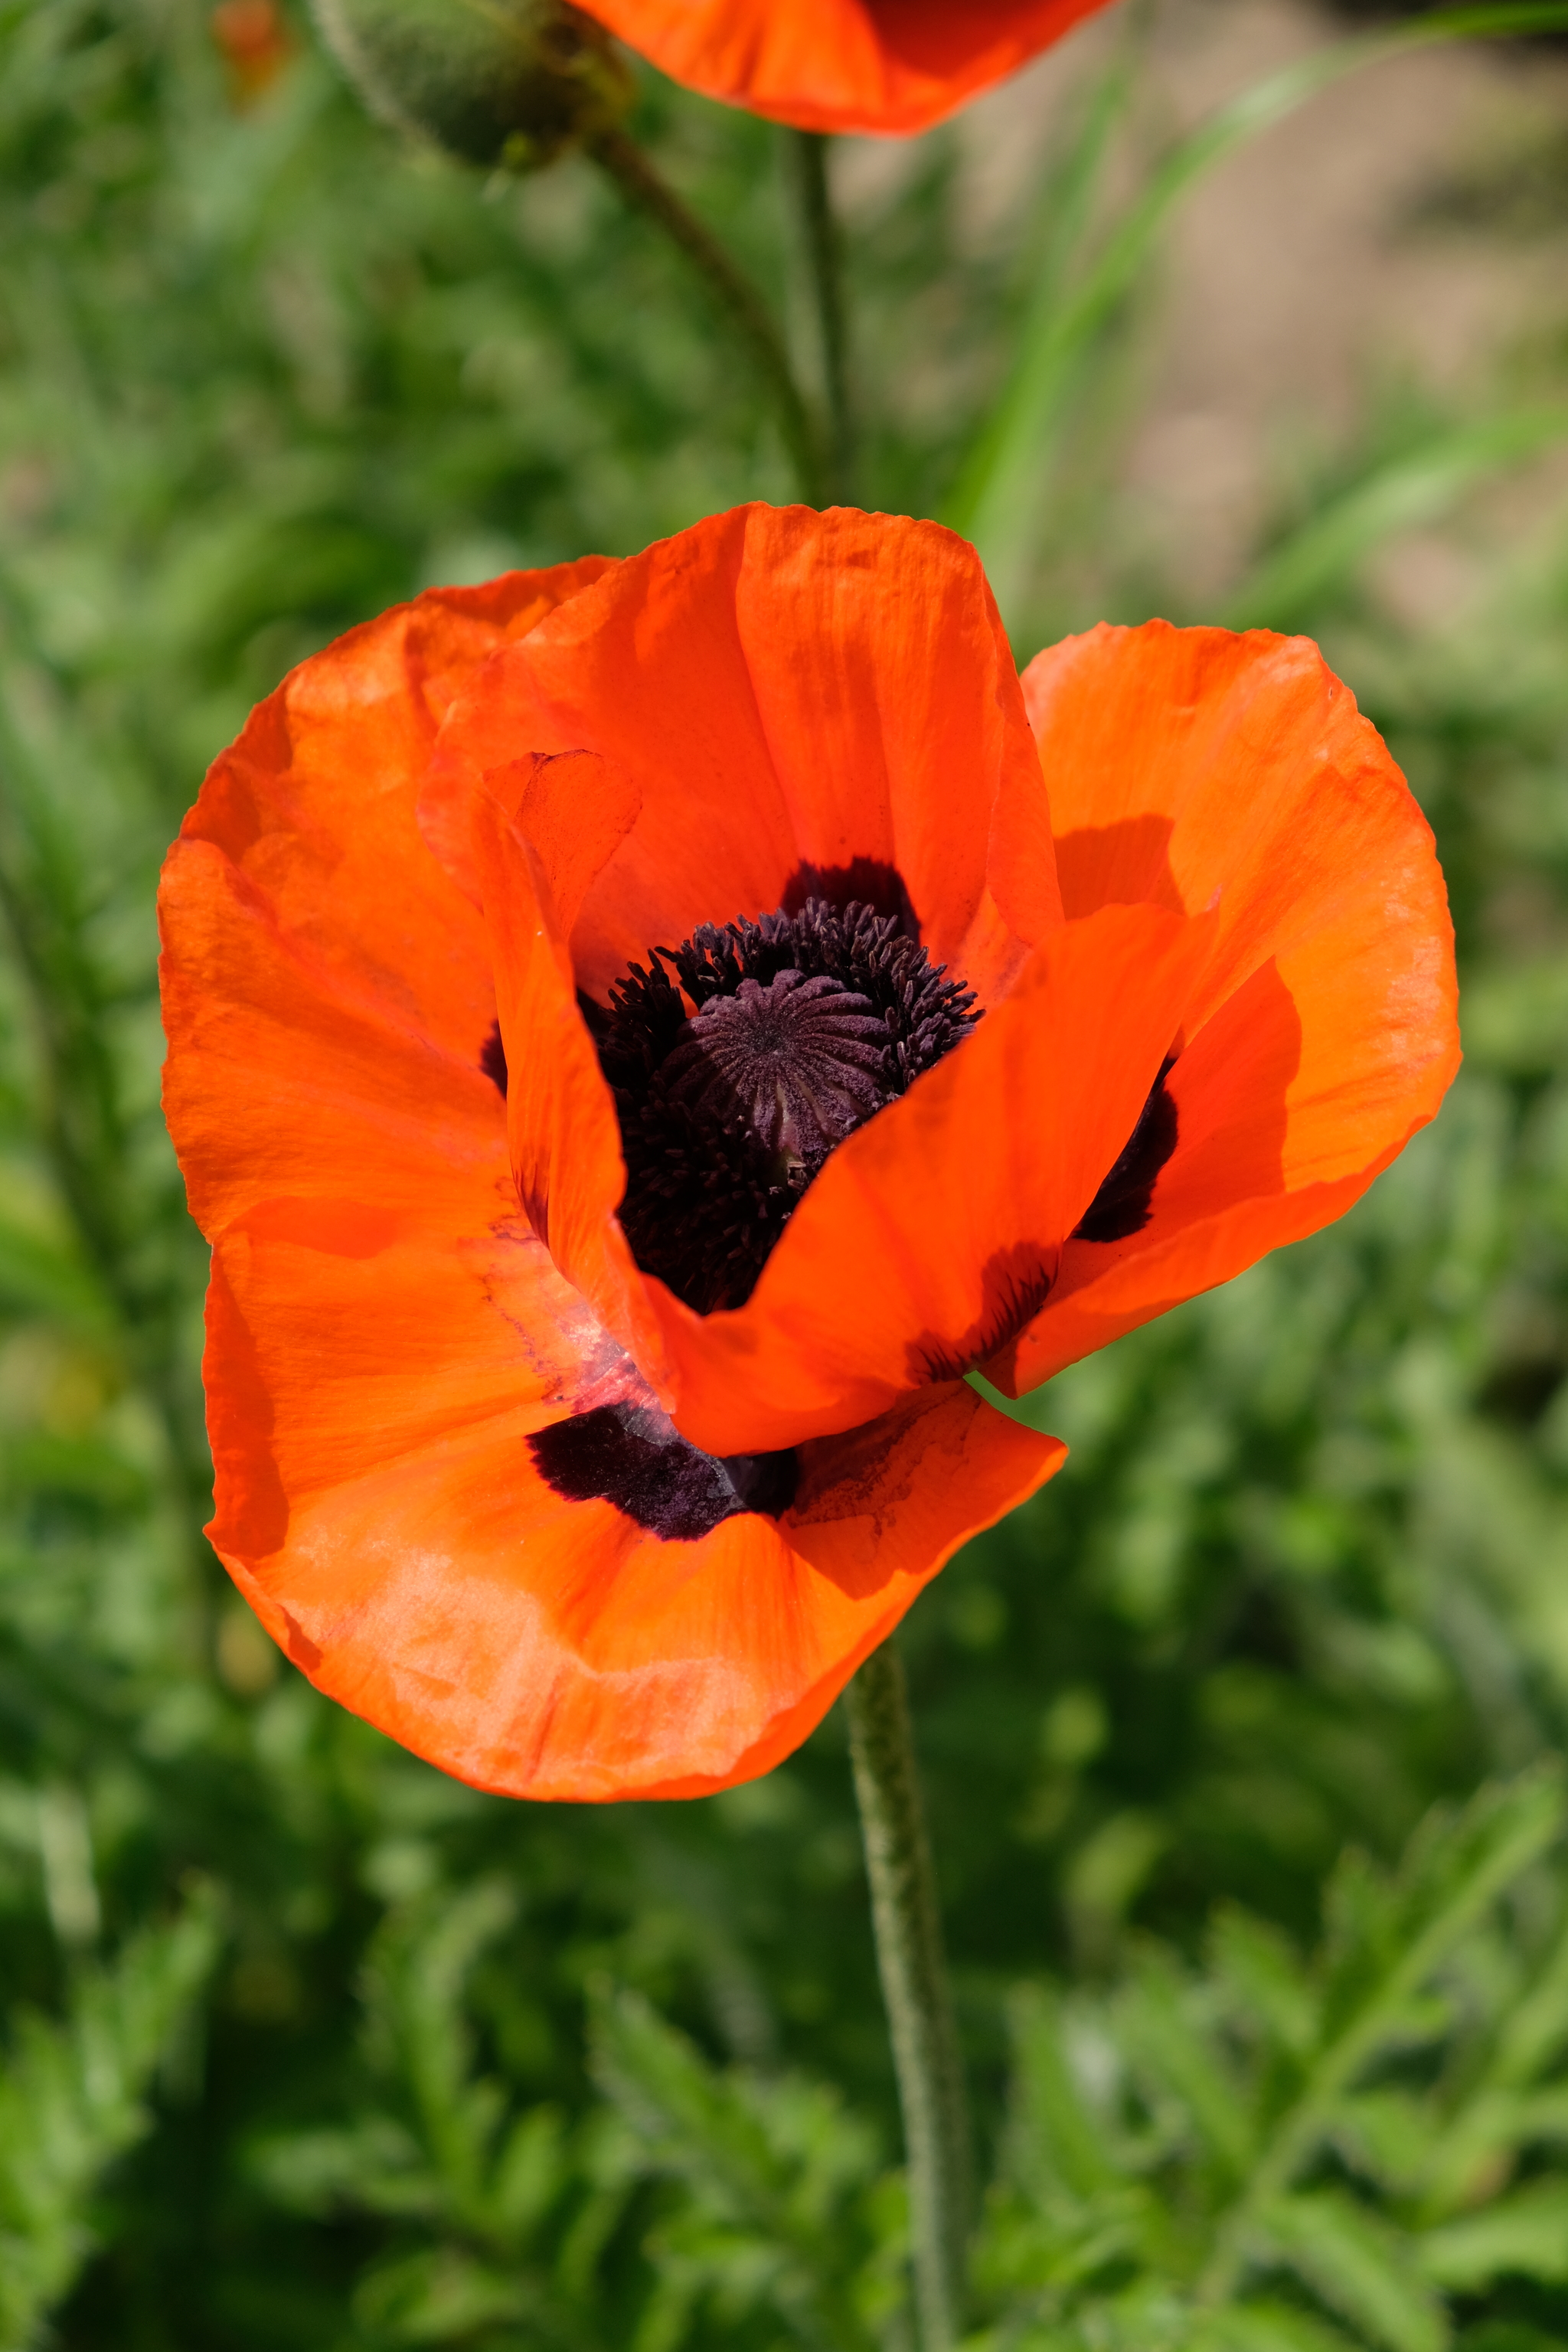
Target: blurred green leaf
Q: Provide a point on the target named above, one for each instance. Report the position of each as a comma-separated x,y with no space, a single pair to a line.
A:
775,2175
1525,2233
73,2098
1358,2266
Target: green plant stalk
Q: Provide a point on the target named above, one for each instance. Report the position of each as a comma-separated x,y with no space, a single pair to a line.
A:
647,191
908,1925
806,154
1006,440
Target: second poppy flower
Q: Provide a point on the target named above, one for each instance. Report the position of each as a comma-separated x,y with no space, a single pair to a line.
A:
842,64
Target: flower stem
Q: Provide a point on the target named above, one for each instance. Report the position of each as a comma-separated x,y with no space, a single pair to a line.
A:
914,1987
646,189
807,155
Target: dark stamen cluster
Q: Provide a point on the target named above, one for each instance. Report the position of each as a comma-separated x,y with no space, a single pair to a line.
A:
739,1059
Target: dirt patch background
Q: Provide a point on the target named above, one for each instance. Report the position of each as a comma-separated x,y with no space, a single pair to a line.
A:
1404,234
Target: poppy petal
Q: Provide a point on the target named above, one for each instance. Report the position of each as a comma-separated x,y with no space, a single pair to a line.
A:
312,809
311,1030
805,703
565,1145
286,1076
1200,769
932,1233
379,1422
841,65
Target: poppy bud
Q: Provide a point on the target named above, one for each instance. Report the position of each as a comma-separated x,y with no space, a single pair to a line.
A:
507,82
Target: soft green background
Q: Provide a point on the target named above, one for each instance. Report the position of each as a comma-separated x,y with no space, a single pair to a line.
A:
306,2046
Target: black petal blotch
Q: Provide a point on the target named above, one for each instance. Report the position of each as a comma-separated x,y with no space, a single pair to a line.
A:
1122,1204
633,1456
492,1057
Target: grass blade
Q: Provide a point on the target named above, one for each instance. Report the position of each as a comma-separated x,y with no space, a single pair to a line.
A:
1410,490
996,501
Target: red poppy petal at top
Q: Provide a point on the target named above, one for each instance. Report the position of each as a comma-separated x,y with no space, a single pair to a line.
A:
1196,769
894,66
445,1489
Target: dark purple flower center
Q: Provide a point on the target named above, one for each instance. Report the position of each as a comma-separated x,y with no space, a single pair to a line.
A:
738,1062
806,1060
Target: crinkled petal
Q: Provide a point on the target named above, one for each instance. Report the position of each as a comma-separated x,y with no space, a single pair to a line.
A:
382,1503
309,820
1196,769
801,702
564,1142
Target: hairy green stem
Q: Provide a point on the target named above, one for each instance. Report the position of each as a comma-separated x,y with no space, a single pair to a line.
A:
914,1987
647,191
806,151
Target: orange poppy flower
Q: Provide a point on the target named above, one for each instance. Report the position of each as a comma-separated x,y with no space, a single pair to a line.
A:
841,65
641,1033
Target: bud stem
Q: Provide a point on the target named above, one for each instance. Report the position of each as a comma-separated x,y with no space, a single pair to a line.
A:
806,155
642,187
915,1990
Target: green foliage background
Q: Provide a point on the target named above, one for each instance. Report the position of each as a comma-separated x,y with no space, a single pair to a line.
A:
306,2046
